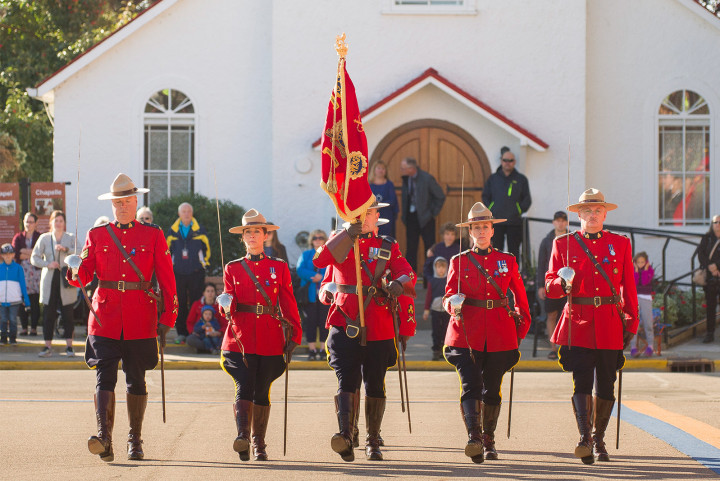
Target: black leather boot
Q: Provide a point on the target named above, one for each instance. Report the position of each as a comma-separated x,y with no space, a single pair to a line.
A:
136,405
342,442
243,418
470,410
374,411
105,415
490,416
356,429
583,408
603,410
261,416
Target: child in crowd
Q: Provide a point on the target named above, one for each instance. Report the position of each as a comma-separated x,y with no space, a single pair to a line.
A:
12,293
433,305
208,329
448,247
644,274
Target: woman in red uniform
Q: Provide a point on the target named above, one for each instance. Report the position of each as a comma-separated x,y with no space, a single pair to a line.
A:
483,336
262,309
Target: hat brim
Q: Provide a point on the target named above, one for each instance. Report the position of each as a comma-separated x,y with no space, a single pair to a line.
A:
468,224
379,205
241,228
110,195
576,207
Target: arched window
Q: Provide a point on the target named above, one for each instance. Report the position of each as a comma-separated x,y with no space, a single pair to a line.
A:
684,159
169,165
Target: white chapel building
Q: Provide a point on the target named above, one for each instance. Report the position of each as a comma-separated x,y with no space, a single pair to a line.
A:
626,91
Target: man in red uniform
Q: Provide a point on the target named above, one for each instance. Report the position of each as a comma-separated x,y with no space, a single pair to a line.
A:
483,335
603,317
352,362
124,323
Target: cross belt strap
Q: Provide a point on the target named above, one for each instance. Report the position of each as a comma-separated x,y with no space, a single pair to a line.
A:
123,286
272,310
495,285
486,303
596,301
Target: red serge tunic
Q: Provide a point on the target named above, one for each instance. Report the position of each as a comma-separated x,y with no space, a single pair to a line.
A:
132,314
594,327
260,333
378,317
493,328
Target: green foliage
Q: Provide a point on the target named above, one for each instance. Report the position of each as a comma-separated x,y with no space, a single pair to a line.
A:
165,213
679,305
11,157
37,37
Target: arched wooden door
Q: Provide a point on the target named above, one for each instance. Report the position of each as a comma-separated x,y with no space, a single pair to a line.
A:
442,149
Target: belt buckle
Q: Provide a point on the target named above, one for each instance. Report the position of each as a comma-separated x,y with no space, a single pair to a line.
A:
489,304
121,286
597,302
258,309
384,254
371,291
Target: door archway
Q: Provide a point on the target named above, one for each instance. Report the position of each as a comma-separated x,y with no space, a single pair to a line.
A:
442,149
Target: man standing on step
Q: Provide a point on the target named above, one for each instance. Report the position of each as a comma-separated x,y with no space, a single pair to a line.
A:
124,323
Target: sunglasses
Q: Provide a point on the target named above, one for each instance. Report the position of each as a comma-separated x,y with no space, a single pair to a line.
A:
508,160
318,238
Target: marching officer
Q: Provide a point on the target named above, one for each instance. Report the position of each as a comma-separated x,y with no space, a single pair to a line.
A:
484,333
123,323
354,363
264,325
599,319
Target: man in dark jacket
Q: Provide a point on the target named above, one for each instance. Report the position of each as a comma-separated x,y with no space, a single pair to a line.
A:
422,200
507,195
190,250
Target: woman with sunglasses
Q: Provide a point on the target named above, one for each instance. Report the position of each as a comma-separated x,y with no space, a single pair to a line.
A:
315,311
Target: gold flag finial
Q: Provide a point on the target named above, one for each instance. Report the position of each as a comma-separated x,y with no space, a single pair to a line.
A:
340,46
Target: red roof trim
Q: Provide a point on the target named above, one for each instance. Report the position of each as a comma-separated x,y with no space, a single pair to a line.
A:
54,74
431,72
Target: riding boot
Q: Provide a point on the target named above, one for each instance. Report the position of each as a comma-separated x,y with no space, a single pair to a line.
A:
342,442
260,417
105,415
356,429
603,409
136,405
374,410
490,416
583,408
243,418
471,411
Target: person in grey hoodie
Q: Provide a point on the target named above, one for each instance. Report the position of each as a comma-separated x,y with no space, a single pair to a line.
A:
507,195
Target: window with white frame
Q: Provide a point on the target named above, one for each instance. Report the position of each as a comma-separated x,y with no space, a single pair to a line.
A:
431,6
684,159
169,156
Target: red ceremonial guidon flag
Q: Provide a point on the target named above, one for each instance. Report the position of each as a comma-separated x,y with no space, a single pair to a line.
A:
345,152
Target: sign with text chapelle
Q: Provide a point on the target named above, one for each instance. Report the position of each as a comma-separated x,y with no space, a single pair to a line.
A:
46,197
9,211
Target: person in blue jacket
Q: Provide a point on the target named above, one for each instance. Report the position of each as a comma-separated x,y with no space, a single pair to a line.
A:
12,293
315,311
384,191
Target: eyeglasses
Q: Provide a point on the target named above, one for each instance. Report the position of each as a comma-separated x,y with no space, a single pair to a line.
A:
147,219
508,160
318,238
716,222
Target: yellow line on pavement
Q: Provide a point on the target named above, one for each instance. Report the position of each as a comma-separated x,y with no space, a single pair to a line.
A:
699,429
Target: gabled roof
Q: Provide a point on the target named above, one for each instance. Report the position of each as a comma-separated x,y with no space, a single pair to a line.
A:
432,77
45,89
707,11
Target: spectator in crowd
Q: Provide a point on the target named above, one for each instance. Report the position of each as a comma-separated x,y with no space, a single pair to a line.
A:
507,195
447,248
644,274
315,311
55,292
553,307
434,307
208,330
273,247
422,200
190,250
384,191
23,244
144,214
709,258
208,299
12,294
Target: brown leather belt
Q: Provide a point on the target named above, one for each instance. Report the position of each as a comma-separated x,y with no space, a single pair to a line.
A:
486,303
367,290
123,286
256,309
595,301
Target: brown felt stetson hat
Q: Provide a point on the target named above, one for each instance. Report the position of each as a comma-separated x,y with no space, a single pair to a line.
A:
253,218
122,186
479,213
589,198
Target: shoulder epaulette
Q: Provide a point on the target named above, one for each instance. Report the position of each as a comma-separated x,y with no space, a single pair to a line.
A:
235,261
99,226
564,235
277,259
151,225
389,238
461,254
617,233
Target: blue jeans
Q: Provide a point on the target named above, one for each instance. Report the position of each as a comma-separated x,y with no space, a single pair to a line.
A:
8,315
